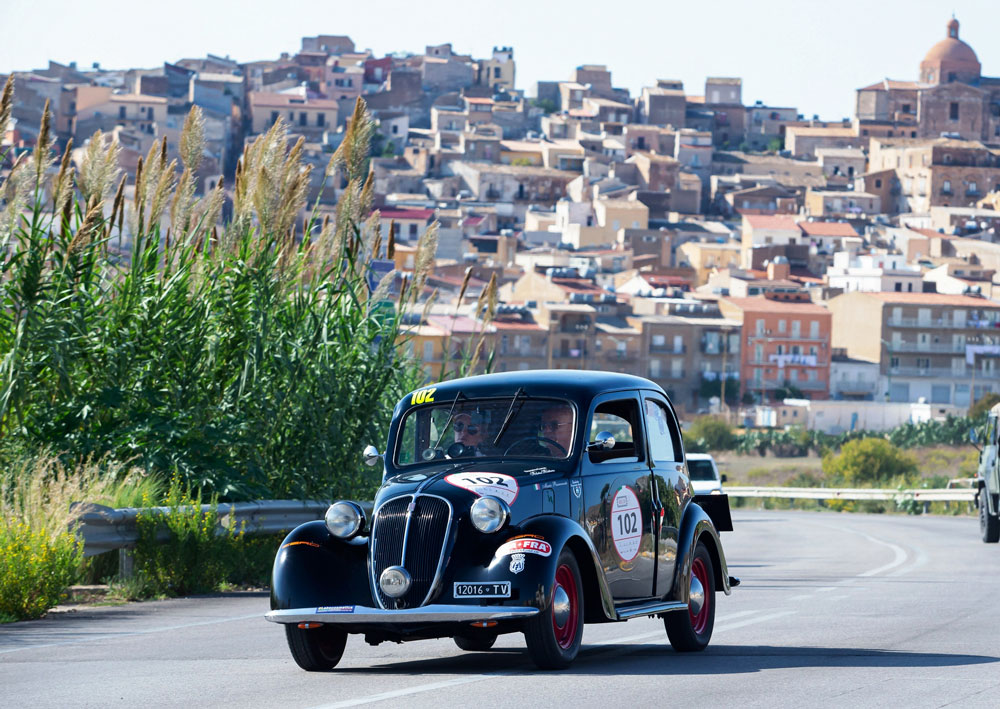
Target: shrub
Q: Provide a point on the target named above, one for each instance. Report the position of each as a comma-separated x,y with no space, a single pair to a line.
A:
711,434
38,566
869,461
41,557
984,405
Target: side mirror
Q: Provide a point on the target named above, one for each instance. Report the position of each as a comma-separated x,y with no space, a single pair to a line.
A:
371,455
605,441
722,478
973,436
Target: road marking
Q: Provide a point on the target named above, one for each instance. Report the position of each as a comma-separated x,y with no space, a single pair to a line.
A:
920,561
115,636
445,684
900,557
824,589
743,623
800,598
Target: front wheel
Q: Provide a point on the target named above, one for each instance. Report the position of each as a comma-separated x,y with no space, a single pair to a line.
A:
555,634
691,631
318,649
989,525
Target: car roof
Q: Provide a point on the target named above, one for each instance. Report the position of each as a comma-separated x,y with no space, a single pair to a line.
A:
699,456
570,383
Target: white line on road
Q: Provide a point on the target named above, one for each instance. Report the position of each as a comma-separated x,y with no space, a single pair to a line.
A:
900,557
445,684
115,636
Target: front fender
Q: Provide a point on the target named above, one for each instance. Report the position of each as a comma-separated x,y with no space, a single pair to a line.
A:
314,568
563,532
697,525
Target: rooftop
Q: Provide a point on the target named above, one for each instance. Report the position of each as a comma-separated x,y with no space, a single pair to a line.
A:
791,307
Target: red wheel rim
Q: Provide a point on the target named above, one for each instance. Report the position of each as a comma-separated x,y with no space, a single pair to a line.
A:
566,635
699,620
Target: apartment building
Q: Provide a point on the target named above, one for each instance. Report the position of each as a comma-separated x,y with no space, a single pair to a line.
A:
785,342
932,346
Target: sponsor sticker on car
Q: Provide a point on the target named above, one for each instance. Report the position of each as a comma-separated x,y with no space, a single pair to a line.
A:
335,609
477,589
498,485
525,545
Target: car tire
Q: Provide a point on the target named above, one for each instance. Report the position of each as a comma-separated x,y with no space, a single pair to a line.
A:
692,630
555,634
476,643
318,649
989,525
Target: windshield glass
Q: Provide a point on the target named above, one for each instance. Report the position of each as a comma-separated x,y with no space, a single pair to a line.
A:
701,470
536,428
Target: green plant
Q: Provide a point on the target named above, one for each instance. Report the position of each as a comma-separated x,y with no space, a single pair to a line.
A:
708,433
183,549
251,357
774,145
38,566
983,406
869,461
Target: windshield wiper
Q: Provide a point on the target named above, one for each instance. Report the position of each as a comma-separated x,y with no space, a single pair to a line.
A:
507,418
451,415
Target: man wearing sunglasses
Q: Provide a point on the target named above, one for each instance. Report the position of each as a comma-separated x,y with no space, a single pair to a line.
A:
470,430
557,426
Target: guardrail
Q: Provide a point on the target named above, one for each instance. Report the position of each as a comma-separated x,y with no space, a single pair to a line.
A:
106,529
830,493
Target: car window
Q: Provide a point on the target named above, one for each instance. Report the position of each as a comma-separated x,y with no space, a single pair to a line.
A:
662,434
536,428
620,418
701,470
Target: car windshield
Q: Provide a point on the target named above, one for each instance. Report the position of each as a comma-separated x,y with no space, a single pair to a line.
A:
474,428
701,470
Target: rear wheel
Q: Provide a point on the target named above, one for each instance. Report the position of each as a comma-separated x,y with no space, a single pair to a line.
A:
555,634
317,649
989,525
691,631
476,643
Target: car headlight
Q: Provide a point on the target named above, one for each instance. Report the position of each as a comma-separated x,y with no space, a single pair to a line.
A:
716,491
488,514
344,519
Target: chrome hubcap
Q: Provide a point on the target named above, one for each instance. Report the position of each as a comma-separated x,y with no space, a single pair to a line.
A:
560,606
696,598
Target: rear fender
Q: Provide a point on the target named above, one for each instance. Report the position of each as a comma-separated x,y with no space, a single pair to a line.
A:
697,526
314,568
562,532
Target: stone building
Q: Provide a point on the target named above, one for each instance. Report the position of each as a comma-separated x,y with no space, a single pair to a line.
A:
951,96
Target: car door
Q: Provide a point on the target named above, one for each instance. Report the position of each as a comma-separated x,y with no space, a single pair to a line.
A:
669,482
618,494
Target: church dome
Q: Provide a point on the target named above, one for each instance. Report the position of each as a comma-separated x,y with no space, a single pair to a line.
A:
951,59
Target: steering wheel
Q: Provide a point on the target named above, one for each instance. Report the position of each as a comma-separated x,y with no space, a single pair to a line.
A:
537,439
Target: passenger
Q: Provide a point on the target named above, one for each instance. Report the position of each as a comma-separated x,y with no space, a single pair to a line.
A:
557,426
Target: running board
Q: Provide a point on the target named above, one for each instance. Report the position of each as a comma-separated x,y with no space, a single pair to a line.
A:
652,609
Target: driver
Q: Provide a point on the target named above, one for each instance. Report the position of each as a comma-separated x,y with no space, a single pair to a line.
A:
470,430
557,425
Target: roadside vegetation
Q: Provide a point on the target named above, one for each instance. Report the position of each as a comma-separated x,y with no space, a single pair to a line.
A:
153,352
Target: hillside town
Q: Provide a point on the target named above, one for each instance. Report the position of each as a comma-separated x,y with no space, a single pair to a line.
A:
751,260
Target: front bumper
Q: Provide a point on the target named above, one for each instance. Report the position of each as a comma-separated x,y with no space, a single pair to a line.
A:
357,615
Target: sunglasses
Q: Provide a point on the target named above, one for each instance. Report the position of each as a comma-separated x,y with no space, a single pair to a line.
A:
551,426
459,427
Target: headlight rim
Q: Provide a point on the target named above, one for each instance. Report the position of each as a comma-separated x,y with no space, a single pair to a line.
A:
359,517
487,500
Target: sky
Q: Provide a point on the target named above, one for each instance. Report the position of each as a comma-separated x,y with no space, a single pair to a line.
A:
810,54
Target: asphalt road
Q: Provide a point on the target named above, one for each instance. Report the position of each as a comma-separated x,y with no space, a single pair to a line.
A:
834,610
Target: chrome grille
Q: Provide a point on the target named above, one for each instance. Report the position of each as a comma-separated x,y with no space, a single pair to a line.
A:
414,539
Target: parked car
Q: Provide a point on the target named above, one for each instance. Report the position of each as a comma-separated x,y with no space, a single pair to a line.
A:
704,474
530,502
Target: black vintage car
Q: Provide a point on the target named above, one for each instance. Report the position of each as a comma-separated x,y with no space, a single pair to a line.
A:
528,502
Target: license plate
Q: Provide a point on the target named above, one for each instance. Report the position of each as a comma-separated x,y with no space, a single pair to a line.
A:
493,589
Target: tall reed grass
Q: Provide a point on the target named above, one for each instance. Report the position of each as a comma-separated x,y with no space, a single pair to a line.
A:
247,357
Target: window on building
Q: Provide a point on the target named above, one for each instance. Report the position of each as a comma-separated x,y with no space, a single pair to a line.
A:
121,111
496,72
320,120
899,287
782,325
760,327
274,116
973,187
413,230
878,183
953,111
814,329
796,328
946,186
906,108
894,362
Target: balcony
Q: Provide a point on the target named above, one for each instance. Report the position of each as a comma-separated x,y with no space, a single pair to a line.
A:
668,349
938,323
673,374
574,327
569,354
772,384
940,372
931,347
714,348
856,386
770,336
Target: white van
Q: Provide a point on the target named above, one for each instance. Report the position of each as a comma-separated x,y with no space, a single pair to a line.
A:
705,478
